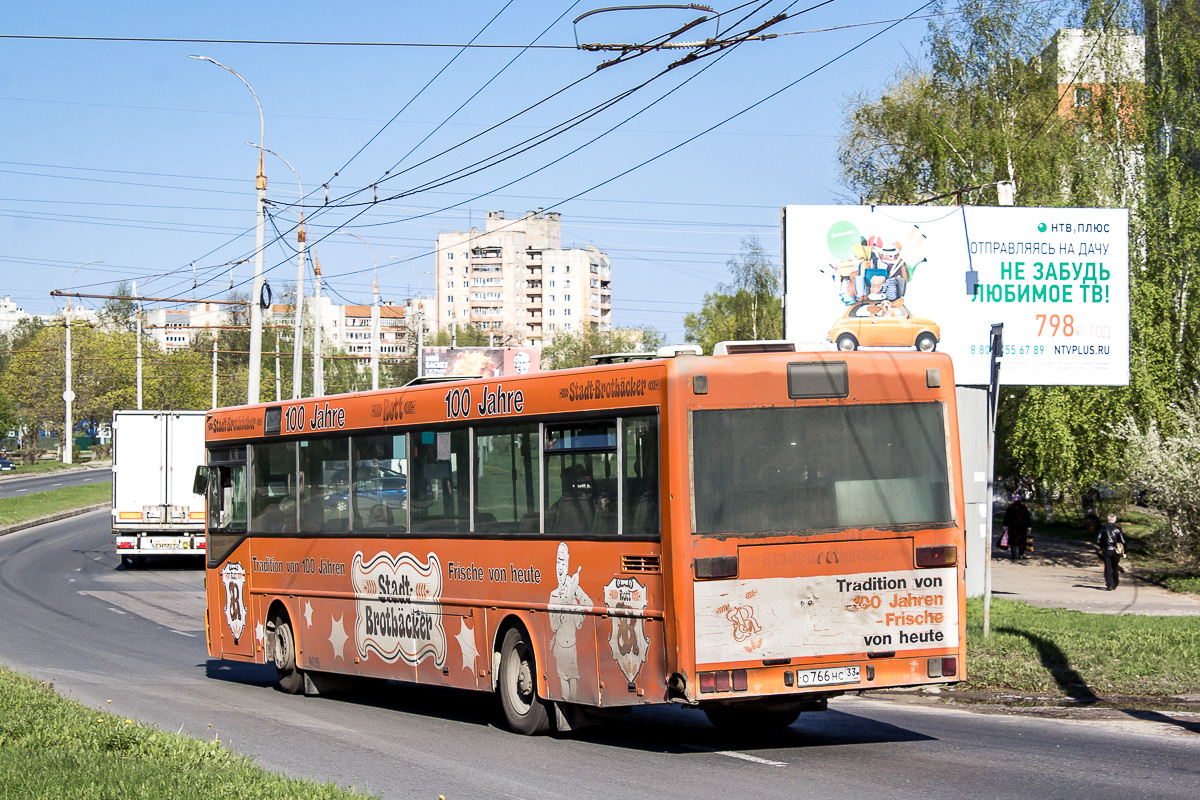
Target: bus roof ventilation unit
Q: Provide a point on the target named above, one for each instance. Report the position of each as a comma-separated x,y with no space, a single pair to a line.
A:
673,350
425,380
752,346
620,358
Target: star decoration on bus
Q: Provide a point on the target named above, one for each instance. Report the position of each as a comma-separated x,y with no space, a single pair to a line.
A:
307,614
466,643
337,636
259,632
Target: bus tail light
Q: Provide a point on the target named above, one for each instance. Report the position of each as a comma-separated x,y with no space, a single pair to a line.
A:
716,567
738,681
941,555
124,544
943,667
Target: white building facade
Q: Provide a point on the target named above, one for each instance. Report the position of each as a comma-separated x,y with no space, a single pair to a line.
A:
514,279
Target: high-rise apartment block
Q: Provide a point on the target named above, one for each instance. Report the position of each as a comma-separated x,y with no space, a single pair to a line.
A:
515,279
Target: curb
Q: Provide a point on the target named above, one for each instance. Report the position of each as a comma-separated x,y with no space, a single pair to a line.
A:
74,512
1009,701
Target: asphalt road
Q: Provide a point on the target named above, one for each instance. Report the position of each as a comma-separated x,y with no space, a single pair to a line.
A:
17,486
135,637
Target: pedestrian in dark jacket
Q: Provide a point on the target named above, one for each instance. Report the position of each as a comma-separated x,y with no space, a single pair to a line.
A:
1107,540
1017,519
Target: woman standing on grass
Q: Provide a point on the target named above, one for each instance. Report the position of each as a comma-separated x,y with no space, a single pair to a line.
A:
1111,541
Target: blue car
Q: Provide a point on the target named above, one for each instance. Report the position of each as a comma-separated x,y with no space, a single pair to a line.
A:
6,465
380,495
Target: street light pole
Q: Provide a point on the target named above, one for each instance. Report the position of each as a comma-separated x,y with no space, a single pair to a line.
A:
68,395
298,336
420,318
260,182
374,314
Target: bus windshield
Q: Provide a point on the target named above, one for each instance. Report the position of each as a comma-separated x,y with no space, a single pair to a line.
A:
819,467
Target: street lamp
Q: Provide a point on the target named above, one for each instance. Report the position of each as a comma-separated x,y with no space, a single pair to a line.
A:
374,314
298,342
68,394
252,388
420,318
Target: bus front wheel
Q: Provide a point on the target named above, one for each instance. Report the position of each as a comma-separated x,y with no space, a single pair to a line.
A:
525,711
289,677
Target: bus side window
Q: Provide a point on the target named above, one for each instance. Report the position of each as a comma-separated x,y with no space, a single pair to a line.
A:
639,472
440,492
324,499
581,476
273,504
506,479
380,484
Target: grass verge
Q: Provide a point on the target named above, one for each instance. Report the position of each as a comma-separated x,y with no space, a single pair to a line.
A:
51,747
1051,651
32,506
42,467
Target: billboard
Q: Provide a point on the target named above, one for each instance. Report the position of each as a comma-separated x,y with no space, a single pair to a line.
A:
488,362
938,277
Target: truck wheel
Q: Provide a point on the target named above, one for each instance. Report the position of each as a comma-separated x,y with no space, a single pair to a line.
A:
525,711
127,562
283,651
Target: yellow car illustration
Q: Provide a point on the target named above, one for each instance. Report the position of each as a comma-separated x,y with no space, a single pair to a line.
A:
879,323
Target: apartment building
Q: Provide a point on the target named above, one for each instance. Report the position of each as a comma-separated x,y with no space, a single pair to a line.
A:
514,278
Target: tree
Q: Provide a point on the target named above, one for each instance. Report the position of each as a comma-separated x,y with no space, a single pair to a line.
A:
1166,466
575,348
120,312
748,307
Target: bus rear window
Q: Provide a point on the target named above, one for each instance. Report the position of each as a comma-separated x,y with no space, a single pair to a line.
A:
814,468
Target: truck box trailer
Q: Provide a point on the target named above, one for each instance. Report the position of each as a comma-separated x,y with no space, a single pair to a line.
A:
155,455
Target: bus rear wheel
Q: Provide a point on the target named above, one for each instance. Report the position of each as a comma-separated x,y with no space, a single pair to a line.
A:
283,651
525,711
751,718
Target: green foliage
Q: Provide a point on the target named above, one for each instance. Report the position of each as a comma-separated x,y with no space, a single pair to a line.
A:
1164,461
51,747
103,366
1050,651
575,349
967,118
748,307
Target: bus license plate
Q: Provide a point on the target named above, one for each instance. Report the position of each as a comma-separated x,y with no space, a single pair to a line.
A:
826,677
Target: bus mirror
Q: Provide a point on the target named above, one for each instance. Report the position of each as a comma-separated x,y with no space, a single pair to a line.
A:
200,482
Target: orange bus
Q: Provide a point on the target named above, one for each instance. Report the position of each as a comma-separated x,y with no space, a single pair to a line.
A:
749,533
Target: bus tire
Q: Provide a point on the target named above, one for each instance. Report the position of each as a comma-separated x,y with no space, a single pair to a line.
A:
289,677
525,711
749,719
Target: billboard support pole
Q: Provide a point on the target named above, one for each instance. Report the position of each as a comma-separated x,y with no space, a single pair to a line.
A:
997,346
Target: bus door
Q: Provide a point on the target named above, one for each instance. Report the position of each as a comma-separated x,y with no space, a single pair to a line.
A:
230,630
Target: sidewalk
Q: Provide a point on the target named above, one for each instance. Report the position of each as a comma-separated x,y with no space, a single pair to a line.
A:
1067,574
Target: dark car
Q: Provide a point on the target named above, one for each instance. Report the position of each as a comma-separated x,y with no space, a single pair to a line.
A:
6,465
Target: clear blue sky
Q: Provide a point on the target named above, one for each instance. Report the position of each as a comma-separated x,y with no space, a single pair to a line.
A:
132,153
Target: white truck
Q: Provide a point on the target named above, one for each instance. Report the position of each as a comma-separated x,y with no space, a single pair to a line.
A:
155,455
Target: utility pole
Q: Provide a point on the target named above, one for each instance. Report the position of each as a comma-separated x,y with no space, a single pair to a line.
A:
375,334
253,394
139,348
68,395
214,374
997,343
318,361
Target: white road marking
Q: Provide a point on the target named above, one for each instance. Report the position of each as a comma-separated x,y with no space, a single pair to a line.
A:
181,633
734,754
117,610
56,484
22,490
